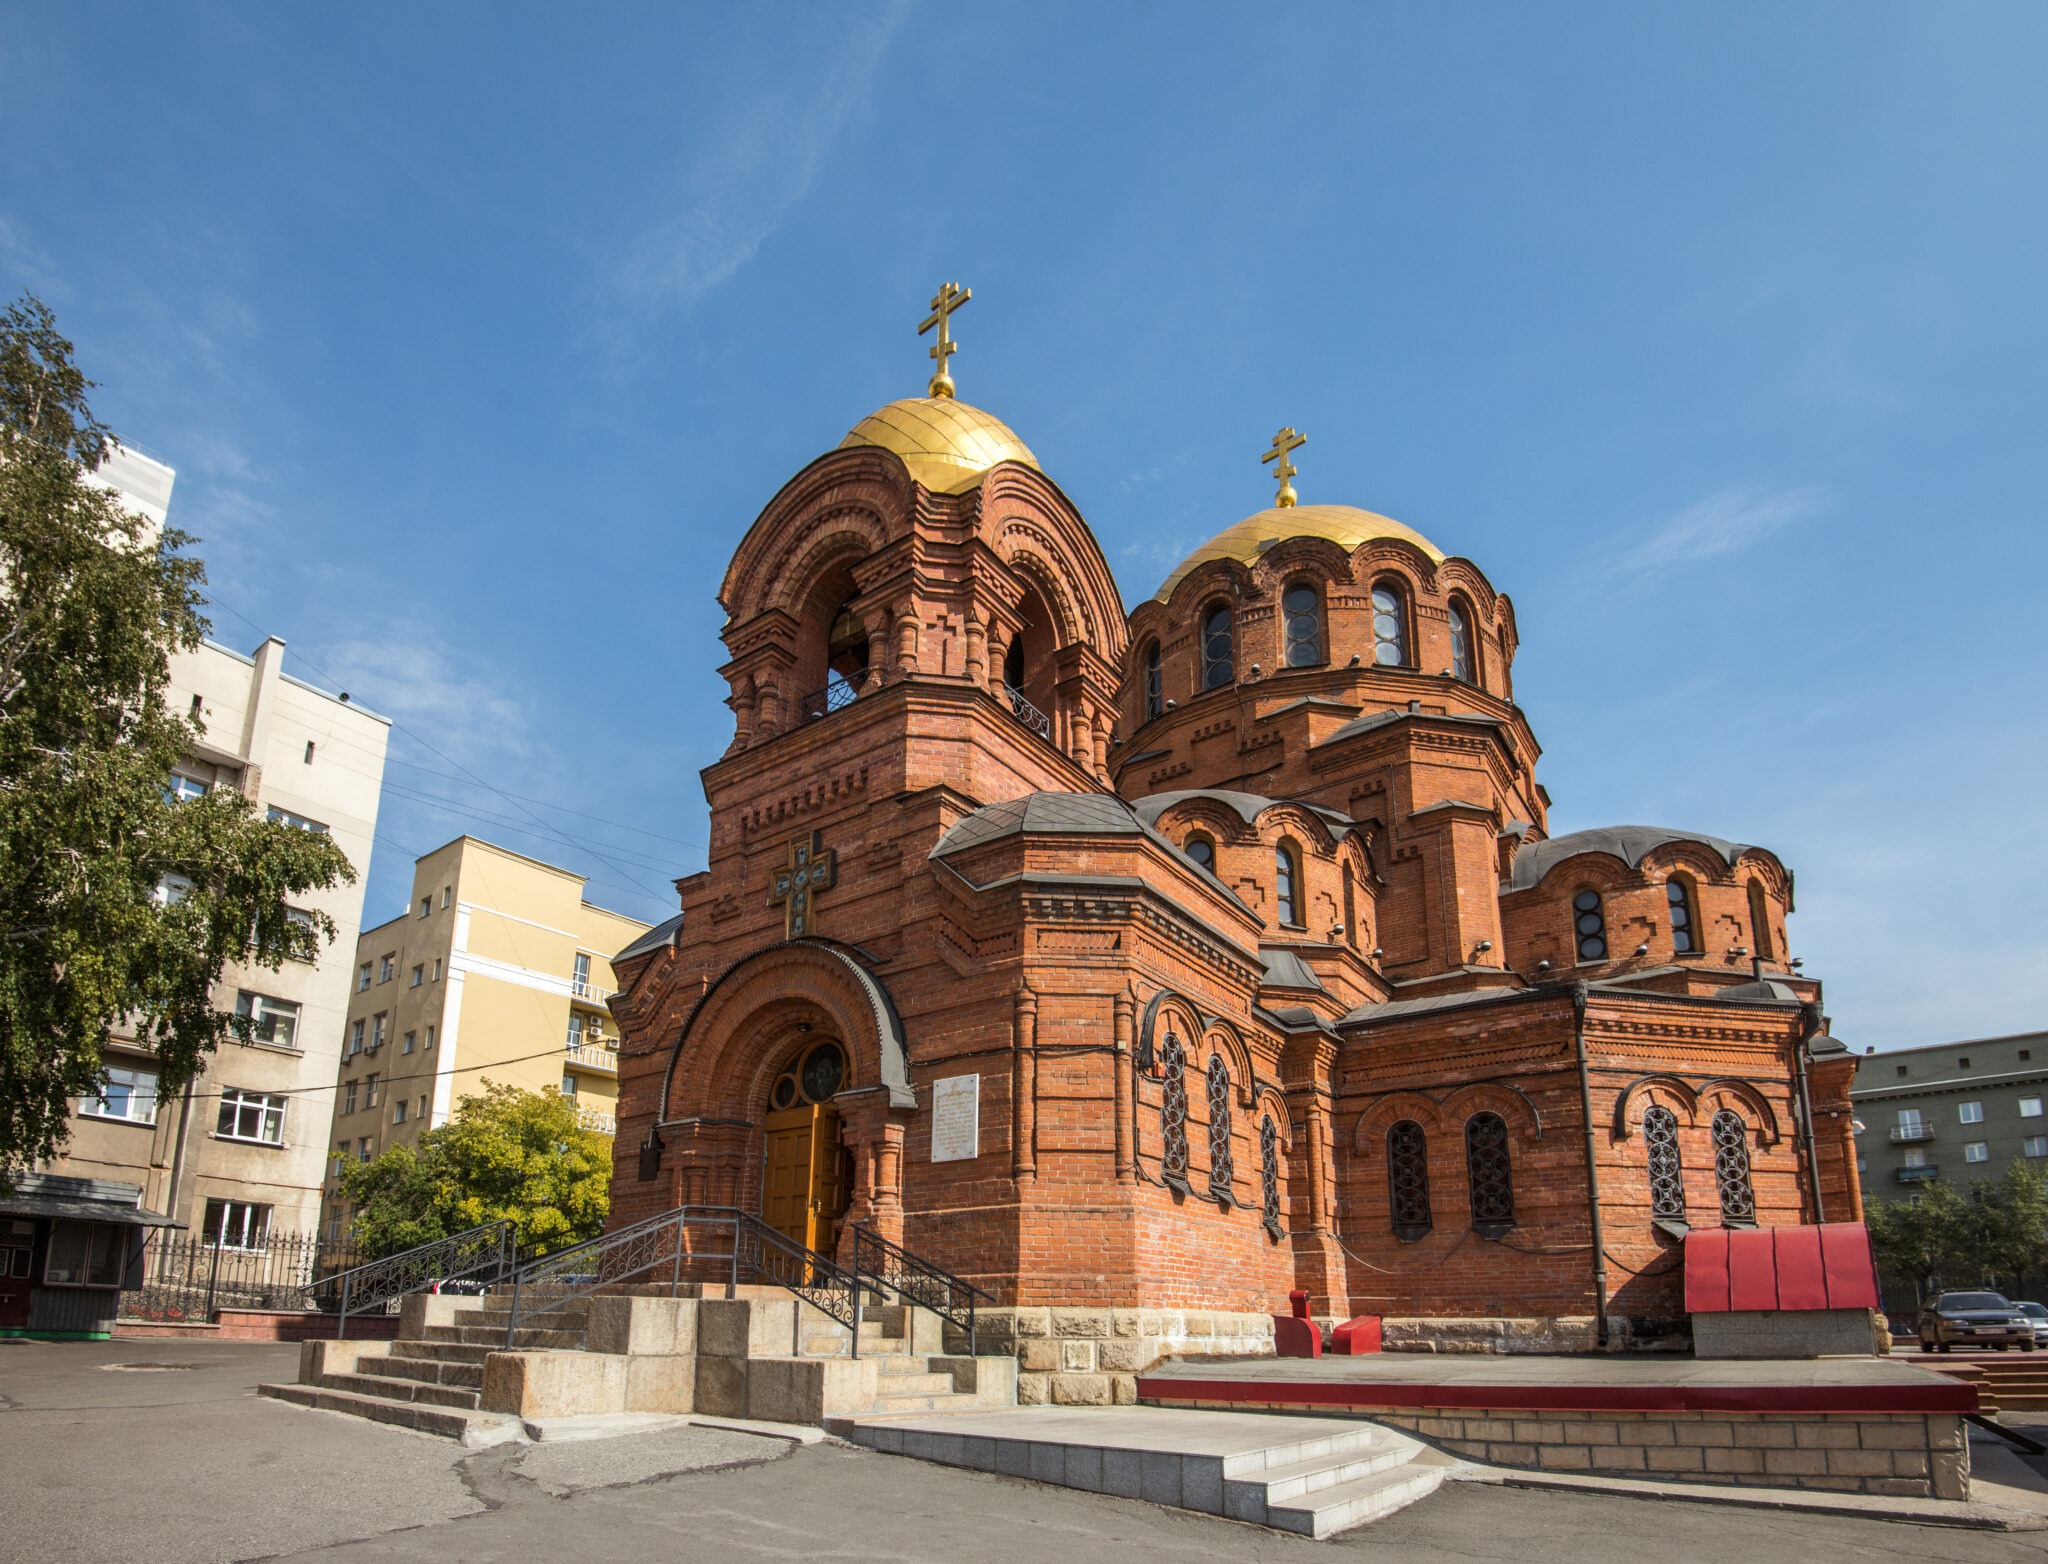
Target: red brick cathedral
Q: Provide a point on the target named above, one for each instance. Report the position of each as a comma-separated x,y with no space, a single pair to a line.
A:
1176,958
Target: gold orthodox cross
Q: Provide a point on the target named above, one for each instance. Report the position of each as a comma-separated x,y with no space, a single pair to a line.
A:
1285,443
948,299
812,867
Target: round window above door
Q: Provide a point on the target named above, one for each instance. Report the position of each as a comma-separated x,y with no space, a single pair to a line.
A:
815,1077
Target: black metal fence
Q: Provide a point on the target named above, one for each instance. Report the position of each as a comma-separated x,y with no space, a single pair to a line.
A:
185,1277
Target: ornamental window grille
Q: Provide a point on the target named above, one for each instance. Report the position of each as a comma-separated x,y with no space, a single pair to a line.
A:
1408,1179
1269,1175
1667,1173
1173,1114
1218,663
1487,1170
1589,926
1303,610
1389,626
1731,1169
1461,643
1155,689
1222,1167
1684,936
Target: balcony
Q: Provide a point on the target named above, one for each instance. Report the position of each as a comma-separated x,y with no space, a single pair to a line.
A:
589,992
593,1119
1034,719
1912,1134
588,1056
1919,1175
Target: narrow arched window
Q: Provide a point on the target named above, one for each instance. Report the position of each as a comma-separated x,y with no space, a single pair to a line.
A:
1287,884
1408,1180
1589,926
1461,642
1173,1114
1269,1176
1303,610
1389,625
1155,688
1350,908
1222,1171
1488,1173
1218,666
1760,921
1667,1174
1684,926
1202,850
1731,1169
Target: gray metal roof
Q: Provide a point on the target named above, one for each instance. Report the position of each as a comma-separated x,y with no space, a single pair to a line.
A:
663,933
1249,806
1046,814
1386,719
81,1200
1393,1009
1630,843
1766,989
1284,969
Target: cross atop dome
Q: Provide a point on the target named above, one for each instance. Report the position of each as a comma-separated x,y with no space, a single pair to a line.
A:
948,299
1284,443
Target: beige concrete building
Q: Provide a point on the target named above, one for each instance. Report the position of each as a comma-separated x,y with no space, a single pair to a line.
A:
242,1152
497,971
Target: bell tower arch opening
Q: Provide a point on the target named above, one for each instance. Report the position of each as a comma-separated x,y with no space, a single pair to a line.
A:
1029,663
833,654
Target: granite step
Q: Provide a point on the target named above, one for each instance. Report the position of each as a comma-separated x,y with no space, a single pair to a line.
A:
433,1371
390,1389
474,1429
1328,1511
441,1351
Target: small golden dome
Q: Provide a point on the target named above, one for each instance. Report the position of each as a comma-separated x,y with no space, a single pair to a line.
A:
1344,525
947,445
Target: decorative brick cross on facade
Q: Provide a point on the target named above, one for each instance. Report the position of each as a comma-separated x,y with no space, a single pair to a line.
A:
812,867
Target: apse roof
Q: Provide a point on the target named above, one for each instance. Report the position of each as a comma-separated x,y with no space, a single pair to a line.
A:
1284,969
1046,814
1249,806
1630,843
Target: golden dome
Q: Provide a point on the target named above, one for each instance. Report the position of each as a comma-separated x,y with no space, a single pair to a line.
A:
947,445
1344,525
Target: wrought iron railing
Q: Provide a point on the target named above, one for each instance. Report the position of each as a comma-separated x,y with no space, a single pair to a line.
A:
892,1268
483,1255
1034,719
835,696
186,1277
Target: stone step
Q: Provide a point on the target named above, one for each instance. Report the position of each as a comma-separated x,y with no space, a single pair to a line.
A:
1289,1480
913,1383
928,1401
391,1389
441,1351
432,1371
1328,1511
492,1339
475,1429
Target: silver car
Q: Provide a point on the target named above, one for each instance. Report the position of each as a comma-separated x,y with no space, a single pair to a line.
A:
2037,1316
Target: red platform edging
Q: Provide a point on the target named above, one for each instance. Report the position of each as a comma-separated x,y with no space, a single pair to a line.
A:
1953,1397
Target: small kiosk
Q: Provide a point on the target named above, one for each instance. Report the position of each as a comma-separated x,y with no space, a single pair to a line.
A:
68,1246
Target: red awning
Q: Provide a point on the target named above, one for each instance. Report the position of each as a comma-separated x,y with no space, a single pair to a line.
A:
1779,1268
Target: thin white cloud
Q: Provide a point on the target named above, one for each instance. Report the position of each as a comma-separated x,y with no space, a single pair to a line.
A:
758,166
1724,523
426,685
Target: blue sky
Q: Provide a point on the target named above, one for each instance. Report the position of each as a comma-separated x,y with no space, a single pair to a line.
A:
1714,334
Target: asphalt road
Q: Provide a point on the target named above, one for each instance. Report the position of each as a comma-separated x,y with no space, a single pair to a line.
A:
105,1457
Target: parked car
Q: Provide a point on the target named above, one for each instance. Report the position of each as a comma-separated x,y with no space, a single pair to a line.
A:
1975,1319
2038,1314
460,1287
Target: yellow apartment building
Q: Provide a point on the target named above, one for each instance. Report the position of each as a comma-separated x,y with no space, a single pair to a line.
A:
497,971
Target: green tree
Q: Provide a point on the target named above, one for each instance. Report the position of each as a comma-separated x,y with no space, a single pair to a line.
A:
92,605
507,1154
2012,1225
1930,1238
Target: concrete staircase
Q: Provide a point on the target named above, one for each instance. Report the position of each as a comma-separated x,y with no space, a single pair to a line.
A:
2006,1382
1308,1475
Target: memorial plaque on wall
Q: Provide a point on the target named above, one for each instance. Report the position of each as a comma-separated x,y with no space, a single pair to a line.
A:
956,1118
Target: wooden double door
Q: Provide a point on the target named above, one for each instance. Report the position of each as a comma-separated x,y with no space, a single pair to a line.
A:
809,1182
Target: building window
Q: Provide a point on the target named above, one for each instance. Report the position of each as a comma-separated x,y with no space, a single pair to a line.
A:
309,752
387,967
1389,626
348,1096
1487,1170
377,1030
2034,1146
252,1116
1173,1114
1350,907
276,1021
1303,610
1970,1113
1901,1072
430,1037
419,974
1976,1151
1910,1121
296,822
171,889
447,892
398,1108
237,1224
1963,1063
1461,643
1760,922
181,789
1218,666
362,977
1269,1175
86,1254
1286,878
1589,926
1408,1180
426,905
1155,684
2030,1107
363,1149
1202,850
1684,933
355,1038
410,1042
1222,1167
125,1094
1914,1157
1731,1169
370,1091
568,1084
575,1029
420,1108
1667,1173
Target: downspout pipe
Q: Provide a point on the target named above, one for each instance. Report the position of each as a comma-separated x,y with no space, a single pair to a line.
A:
1592,1163
1810,1026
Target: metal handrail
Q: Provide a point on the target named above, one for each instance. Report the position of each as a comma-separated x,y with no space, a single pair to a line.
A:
917,1281
492,1247
836,696
1034,719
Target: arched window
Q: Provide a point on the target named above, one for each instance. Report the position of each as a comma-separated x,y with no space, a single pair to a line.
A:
1173,1115
1202,850
1303,609
1589,926
1269,1176
1684,927
1155,689
1222,1171
1667,1174
1488,1173
1731,1169
1461,642
1408,1180
1287,884
846,659
1013,663
1760,921
1218,668
1389,625
1350,908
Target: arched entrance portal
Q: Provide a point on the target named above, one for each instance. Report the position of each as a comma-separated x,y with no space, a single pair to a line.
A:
807,1182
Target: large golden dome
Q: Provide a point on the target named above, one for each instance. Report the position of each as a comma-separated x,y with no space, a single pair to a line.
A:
947,445
1344,525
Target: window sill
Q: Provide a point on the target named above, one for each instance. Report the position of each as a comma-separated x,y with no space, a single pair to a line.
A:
245,1140
117,1118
